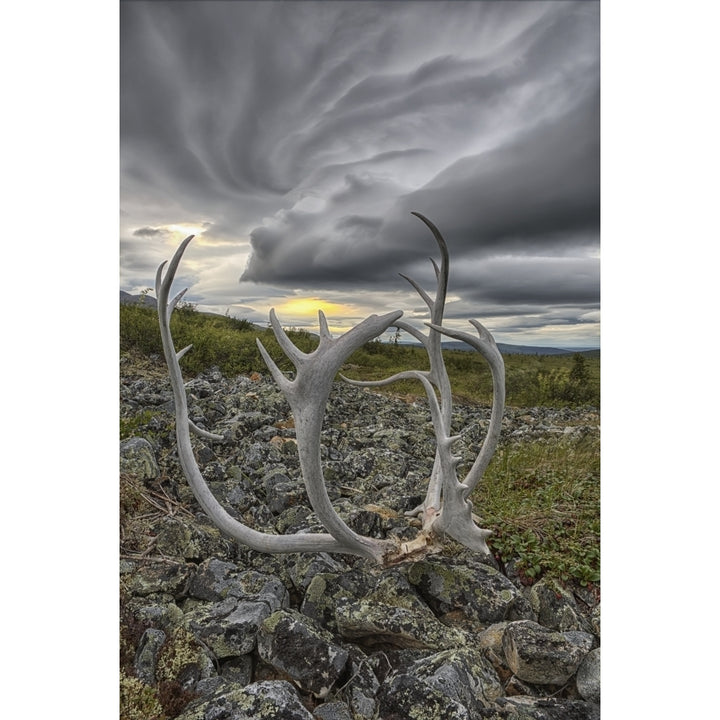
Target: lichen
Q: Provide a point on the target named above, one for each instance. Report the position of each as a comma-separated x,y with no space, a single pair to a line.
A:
138,701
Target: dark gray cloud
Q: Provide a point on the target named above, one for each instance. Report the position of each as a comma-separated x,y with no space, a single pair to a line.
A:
301,135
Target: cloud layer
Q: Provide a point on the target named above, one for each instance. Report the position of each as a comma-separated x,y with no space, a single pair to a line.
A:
296,138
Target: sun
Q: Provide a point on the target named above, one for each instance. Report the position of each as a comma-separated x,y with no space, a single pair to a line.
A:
308,308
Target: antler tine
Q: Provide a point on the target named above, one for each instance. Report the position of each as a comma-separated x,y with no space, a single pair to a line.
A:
325,333
428,300
283,383
287,345
485,344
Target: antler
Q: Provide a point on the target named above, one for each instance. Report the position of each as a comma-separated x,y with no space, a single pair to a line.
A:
308,394
310,542
446,508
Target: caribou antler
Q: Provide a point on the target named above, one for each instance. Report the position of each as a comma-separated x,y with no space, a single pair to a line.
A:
446,508
311,542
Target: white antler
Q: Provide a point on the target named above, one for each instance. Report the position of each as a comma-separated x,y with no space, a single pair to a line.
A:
311,542
446,508
308,394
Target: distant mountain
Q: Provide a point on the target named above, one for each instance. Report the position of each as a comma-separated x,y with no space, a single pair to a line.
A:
128,299
506,349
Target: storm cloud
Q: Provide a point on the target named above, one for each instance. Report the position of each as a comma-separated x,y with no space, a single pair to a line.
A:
295,139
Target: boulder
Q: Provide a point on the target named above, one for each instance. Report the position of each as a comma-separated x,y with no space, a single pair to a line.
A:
480,591
137,458
539,655
555,607
229,627
268,700
291,643
588,677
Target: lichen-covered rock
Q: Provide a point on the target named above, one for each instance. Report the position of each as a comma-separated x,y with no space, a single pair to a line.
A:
146,656
542,656
289,642
268,700
533,708
216,580
137,458
360,694
191,541
229,627
327,591
555,607
406,696
378,623
479,590
394,614
463,674
333,711
588,677
143,578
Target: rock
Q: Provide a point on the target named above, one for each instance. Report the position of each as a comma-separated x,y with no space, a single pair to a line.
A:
480,591
588,677
229,627
268,700
216,580
406,696
463,674
393,613
555,607
289,642
542,656
333,711
532,708
137,457
193,542
360,694
327,591
146,655
154,577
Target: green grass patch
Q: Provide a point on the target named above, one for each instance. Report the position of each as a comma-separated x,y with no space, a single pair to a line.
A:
542,500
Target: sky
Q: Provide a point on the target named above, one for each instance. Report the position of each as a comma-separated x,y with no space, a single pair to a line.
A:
294,139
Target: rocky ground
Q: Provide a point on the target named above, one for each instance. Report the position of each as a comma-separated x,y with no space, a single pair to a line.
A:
213,630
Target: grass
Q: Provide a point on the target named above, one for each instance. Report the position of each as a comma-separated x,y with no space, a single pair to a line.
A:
230,344
543,501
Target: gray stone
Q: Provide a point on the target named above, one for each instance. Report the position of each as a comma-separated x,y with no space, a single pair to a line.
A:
406,696
155,578
269,700
480,591
555,607
463,674
333,711
533,708
137,458
289,642
542,656
588,677
229,627
146,656
217,580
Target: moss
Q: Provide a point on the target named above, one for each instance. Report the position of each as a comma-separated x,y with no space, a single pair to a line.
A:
139,701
